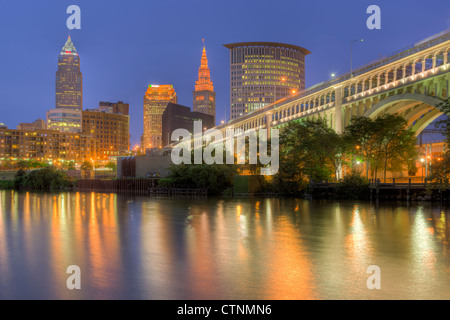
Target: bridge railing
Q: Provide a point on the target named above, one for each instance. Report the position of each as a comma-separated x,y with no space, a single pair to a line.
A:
397,55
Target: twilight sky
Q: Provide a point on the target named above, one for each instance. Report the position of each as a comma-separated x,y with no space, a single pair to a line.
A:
126,45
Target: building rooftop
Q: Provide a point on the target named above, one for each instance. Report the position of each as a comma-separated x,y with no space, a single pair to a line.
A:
266,44
69,47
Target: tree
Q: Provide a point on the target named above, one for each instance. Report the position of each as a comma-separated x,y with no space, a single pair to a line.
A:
383,143
19,177
440,169
86,165
71,165
48,178
216,178
360,135
396,142
23,164
111,165
313,149
308,150
444,123
6,164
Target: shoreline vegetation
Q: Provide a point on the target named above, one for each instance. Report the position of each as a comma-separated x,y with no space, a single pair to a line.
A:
352,186
310,151
46,179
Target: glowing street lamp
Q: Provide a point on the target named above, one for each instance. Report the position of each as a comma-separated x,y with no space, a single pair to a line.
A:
422,160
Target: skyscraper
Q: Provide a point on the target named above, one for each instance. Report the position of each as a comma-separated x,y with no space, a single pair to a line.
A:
156,99
69,80
204,95
262,73
66,117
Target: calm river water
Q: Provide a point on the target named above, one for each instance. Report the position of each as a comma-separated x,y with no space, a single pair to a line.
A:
130,247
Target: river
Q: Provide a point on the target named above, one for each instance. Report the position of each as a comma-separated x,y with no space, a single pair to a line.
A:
136,247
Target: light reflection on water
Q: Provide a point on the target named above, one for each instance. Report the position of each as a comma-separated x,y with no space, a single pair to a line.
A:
243,248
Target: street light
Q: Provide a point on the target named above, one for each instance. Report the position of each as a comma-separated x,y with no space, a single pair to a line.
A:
351,55
422,160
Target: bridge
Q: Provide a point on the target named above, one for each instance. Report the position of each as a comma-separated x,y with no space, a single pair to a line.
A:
409,82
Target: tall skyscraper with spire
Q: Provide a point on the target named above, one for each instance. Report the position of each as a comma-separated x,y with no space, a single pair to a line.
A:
66,116
204,95
69,80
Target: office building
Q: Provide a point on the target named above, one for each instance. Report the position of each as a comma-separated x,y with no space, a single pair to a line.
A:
262,73
109,132
204,95
64,120
69,80
176,116
156,99
66,117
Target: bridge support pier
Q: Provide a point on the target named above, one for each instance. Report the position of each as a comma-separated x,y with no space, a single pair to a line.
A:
338,110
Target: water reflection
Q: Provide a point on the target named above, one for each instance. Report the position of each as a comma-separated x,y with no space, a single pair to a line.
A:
248,248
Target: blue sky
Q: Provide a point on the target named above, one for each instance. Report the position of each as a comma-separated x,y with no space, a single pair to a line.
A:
126,45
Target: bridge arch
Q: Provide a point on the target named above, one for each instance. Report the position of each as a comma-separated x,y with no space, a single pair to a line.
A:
419,110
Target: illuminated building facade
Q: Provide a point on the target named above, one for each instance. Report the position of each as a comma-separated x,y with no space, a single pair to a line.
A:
69,80
66,117
204,95
64,120
109,132
156,99
43,145
262,73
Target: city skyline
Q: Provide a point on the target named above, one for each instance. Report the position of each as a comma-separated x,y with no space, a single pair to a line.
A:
120,179
111,73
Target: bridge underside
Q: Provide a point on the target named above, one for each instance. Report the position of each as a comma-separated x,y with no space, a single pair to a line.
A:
417,109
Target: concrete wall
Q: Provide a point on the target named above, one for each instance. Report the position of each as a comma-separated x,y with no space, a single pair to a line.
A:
146,165
157,164
7,175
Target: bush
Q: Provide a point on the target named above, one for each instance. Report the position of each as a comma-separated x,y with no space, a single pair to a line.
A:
354,187
48,178
215,178
111,165
86,165
6,184
18,180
